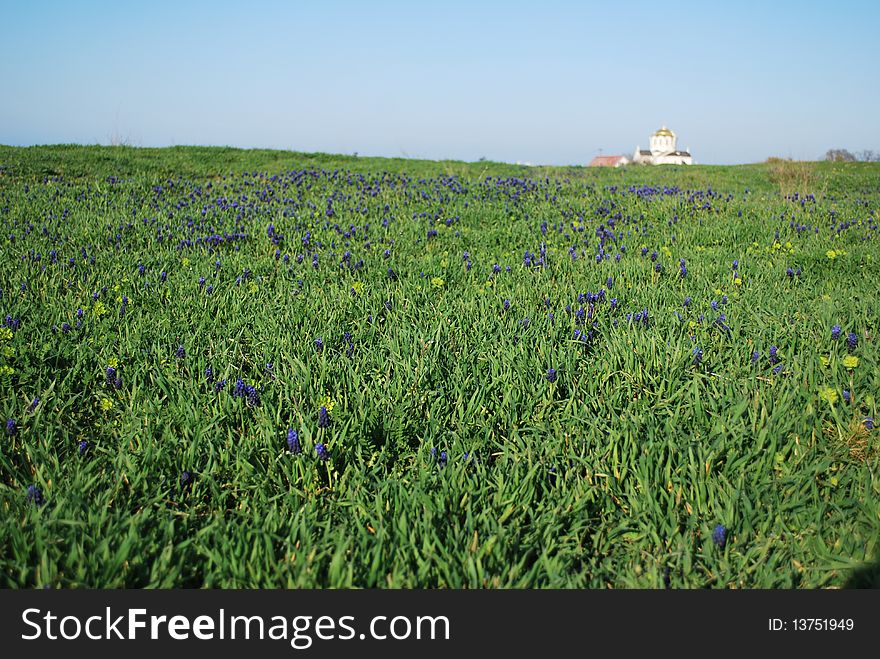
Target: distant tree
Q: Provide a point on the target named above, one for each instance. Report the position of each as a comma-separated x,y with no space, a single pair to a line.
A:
868,155
839,155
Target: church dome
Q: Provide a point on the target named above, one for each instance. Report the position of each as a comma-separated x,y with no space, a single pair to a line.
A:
664,132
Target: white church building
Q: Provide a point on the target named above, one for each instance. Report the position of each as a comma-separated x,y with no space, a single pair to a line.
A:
663,151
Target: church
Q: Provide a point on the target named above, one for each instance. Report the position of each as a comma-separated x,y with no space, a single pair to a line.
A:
663,151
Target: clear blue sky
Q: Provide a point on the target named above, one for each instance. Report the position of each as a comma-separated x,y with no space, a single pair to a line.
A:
547,82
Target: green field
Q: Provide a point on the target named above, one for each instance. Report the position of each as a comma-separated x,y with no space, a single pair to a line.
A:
523,385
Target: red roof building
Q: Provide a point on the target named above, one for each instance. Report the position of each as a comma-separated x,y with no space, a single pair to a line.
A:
609,161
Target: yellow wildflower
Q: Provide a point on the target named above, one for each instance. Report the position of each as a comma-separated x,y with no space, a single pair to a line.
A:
358,287
106,404
831,254
437,282
113,362
825,361
327,402
5,333
829,394
850,361
99,309
738,281
185,262
6,370
252,287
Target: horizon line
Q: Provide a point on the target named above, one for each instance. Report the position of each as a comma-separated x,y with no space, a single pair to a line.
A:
356,154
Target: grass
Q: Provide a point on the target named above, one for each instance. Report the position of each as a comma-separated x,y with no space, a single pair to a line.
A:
616,474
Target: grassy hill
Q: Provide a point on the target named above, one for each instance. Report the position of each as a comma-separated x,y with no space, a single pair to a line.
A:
251,368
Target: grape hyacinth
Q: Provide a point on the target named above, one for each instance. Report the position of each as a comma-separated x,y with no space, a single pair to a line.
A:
835,333
852,341
719,536
247,391
321,450
323,417
293,444
35,495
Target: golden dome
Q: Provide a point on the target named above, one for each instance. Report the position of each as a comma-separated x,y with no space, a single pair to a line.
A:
664,132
